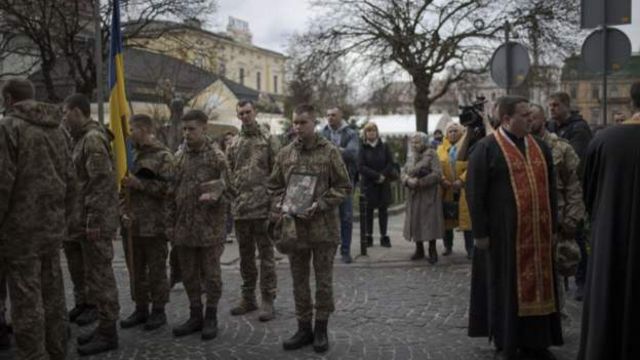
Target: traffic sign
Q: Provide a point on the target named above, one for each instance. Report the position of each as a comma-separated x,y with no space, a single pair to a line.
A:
617,12
617,54
510,65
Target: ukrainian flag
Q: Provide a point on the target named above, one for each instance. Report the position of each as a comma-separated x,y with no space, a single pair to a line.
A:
118,106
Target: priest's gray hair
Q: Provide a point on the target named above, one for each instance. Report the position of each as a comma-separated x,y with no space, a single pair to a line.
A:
422,136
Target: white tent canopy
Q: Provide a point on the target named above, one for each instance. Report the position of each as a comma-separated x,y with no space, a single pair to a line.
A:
401,125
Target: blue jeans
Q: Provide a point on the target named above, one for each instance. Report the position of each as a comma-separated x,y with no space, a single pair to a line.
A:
346,225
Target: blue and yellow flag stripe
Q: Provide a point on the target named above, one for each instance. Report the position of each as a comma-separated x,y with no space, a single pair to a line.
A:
118,105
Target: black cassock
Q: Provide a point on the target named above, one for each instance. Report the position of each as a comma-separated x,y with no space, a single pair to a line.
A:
493,309
611,312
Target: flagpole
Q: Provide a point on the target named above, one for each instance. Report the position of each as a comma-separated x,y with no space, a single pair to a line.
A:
98,60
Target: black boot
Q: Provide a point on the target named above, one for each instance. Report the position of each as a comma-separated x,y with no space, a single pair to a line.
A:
433,254
105,339
87,337
156,319
138,317
419,254
369,240
192,325
210,326
385,241
76,311
302,337
320,338
5,339
88,316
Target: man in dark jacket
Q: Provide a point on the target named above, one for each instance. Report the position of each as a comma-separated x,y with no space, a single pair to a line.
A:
346,139
572,127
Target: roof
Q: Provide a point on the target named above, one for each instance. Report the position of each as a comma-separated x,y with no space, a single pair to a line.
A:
575,69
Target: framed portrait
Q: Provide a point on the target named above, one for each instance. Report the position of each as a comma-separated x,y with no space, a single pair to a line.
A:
299,194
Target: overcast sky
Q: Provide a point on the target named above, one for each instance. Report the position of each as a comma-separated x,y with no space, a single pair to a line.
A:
273,21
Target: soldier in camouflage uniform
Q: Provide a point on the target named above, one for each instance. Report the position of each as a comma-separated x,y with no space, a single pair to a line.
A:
97,221
317,227
196,218
143,215
36,203
571,210
250,159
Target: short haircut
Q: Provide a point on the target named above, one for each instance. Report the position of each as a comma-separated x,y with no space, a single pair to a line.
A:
79,101
19,89
244,102
196,115
562,97
507,105
142,119
305,108
635,94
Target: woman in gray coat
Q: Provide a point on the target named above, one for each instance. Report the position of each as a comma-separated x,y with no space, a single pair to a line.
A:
424,220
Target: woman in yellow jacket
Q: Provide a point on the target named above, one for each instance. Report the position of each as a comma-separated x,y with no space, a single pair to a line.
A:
453,178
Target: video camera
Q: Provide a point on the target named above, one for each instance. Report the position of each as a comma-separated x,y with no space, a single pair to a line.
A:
472,115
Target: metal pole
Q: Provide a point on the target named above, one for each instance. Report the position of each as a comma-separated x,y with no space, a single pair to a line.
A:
507,29
97,29
605,55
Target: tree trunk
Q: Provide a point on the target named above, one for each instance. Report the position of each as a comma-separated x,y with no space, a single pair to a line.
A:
47,68
421,104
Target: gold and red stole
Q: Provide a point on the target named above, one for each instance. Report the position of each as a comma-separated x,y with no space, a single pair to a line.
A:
534,243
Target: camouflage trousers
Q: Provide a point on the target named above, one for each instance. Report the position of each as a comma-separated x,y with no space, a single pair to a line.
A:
201,270
93,279
321,255
150,282
38,310
252,234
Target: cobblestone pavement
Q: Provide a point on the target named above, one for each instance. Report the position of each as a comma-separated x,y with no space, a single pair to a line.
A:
386,309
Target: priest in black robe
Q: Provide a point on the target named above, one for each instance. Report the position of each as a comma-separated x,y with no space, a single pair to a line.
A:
512,199
611,312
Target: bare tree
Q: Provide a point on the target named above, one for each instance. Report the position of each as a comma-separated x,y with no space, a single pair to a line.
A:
62,31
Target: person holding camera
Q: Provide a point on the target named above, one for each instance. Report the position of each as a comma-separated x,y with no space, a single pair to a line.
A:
376,166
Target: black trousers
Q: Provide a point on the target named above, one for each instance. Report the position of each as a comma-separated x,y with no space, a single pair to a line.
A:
383,219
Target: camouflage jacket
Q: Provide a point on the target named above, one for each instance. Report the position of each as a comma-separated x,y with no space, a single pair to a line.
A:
153,166
196,222
37,185
250,159
324,160
97,182
571,210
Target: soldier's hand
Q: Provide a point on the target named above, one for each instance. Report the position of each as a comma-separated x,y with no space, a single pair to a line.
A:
93,234
446,183
309,212
131,182
457,185
482,243
412,182
126,221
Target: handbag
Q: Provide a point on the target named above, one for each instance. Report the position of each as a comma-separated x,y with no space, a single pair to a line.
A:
450,210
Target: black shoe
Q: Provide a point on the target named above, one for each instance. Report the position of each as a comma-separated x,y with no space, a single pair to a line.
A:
302,337
105,339
5,339
210,326
87,337
346,259
75,312
537,354
156,319
88,316
385,241
419,254
369,240
139,317
194,324
447,252
320,338
433,254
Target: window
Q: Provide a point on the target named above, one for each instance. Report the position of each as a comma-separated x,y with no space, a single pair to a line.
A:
275,84
595,91
241,76
258,80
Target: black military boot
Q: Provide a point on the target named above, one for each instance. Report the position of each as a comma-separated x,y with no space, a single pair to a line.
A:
320,338
105,339
156,319
88,316
369,240
5,339
193,324
75,312
138,317
302,337
433,254
87,337
385,241
210,326
419,254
